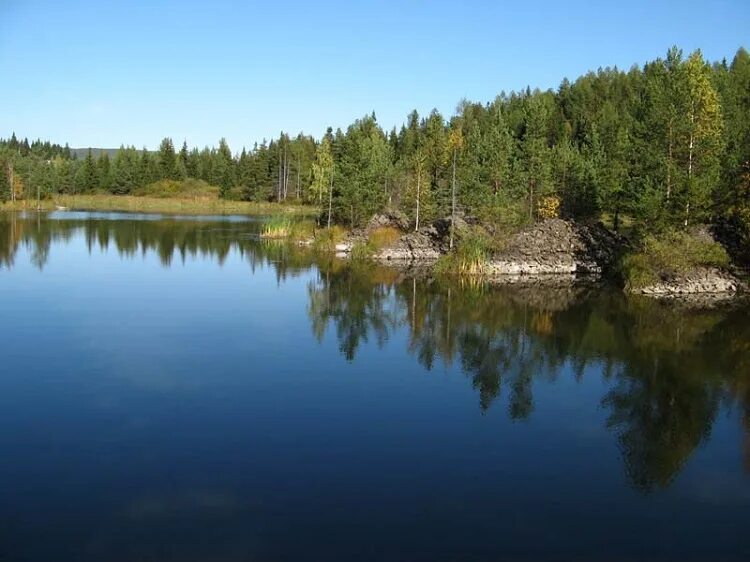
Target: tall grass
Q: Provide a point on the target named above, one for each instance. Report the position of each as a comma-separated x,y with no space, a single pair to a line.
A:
327,238
377,240
197,205
383,237
672,253
468,258
278,226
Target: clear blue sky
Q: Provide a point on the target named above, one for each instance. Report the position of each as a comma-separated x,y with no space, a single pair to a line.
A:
102,73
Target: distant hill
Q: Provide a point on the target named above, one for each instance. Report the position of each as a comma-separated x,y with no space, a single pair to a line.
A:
81,152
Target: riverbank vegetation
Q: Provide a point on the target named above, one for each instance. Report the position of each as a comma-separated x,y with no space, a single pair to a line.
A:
199,205
671,254
658,149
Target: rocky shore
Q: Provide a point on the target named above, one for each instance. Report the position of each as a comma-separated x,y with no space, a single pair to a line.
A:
703,280
554,251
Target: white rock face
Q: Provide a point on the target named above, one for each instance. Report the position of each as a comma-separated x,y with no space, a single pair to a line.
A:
703,280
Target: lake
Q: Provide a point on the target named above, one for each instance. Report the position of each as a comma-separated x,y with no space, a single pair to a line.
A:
177,389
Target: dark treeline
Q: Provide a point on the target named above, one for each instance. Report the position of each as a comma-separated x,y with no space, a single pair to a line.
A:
666,144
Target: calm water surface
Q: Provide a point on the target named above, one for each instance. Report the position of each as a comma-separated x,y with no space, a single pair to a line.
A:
175,389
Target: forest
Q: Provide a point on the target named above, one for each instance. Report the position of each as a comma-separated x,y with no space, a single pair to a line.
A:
662,146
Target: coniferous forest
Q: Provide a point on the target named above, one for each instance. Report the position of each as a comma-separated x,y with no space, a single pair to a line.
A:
665,145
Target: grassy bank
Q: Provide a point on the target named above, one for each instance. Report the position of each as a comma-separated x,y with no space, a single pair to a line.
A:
168,205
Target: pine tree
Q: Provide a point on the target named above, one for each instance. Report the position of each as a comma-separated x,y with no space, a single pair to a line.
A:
167,161
224,172
536,152
124,171
87,176
104,172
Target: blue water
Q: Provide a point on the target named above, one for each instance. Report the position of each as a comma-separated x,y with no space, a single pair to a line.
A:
179,390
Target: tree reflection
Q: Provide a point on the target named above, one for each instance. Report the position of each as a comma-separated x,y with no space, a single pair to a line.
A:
669,367
349,300
167,238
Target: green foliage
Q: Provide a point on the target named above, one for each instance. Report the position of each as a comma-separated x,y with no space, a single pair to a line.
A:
672,253
278,226
658,147
360,251
327,238
322,170
469,257
360,176
168,168
173,188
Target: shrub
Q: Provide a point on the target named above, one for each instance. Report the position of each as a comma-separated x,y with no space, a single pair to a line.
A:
673,253
548,207
174,188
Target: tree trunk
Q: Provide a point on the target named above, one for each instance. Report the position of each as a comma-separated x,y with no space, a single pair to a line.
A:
330,199
278,189
12,181
299,189
414,305
416,222
453,200
669,162
690,167
531,200
288,174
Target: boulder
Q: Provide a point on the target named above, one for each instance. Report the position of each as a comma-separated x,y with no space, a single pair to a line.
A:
392,219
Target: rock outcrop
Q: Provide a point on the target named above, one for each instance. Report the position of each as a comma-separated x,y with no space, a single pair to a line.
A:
551,247
701,280
393,219
555,247
426,245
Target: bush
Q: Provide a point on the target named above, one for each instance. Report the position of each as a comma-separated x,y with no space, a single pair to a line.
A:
671,254
174,188
548,207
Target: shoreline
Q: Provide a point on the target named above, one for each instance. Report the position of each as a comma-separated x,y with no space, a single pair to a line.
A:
159,205
553,252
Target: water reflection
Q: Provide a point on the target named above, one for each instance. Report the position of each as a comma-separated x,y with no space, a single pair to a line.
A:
171,238
668,368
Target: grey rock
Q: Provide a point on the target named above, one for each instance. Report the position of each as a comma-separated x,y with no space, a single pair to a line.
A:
701,280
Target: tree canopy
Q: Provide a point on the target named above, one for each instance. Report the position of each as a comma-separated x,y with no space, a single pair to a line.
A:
665,145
